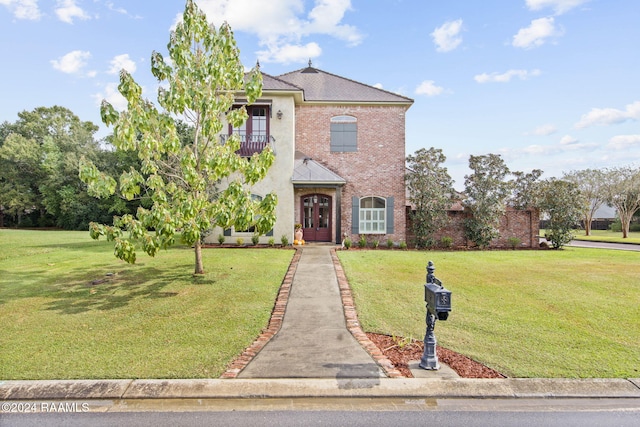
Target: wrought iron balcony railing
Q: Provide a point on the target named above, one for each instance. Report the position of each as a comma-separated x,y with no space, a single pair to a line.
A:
250,144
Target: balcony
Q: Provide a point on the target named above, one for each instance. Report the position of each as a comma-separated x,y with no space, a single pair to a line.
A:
250,144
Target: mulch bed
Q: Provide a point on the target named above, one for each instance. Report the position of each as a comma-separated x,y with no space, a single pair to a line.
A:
401,352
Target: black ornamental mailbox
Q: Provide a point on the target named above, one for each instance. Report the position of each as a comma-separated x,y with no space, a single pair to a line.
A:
438,301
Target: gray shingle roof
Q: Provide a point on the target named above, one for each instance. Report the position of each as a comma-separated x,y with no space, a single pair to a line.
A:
273,83
319,85
308,171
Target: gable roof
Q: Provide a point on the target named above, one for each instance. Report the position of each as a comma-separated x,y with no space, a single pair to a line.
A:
321,86
308,171
270,82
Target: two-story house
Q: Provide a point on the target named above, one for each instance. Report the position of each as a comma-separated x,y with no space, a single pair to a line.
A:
340,156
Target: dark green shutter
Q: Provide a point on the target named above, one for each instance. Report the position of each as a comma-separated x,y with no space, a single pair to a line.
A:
355,215
390,215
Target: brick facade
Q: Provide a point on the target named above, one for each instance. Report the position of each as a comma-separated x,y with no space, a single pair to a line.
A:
375,169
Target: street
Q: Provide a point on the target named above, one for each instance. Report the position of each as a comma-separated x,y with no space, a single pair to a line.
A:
346,412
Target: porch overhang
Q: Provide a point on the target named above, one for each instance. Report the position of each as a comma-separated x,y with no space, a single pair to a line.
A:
309,173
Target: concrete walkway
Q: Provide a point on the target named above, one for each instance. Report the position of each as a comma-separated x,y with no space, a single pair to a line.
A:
313,341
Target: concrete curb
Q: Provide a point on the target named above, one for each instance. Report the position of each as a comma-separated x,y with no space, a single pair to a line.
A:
508,388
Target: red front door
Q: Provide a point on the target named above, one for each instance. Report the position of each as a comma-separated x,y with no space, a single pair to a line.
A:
316,217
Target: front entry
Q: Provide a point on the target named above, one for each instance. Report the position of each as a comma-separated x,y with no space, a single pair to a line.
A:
316,217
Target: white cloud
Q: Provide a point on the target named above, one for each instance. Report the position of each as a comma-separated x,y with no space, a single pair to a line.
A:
535,34
288,53
622,142
429,88
122,61
23,9
545,130
282,25
609,116
112,96
568,140
539,149
559,6
506,76
67,10
71,63
378,86
447,36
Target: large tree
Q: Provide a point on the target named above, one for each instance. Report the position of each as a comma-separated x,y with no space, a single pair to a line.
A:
430,191
525,188
184,178
591,183
562,202
487,192
39,156
622,191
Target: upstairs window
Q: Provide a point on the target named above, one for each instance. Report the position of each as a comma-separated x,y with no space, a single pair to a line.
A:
344,134
254,133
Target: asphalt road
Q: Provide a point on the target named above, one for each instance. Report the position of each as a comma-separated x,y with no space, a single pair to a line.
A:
601,245
604,245
353,412
621,418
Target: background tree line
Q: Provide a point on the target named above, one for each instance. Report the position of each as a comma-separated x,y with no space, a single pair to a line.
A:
492,186
39,183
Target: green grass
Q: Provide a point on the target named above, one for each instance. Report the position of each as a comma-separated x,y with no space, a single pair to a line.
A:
571,313
608,236
64,317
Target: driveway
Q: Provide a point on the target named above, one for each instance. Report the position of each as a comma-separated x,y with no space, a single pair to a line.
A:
601,245
605,245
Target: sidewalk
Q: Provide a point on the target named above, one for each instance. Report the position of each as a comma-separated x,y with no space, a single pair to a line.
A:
314,347
313,341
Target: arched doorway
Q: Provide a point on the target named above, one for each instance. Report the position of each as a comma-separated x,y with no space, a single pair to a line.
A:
315,210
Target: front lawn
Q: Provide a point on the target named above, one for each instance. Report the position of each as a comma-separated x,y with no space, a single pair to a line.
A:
70,309
566,313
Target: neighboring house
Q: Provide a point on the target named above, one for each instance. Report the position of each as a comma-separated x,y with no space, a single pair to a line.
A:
340,156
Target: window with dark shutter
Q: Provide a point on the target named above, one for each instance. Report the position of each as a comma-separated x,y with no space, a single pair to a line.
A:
344,134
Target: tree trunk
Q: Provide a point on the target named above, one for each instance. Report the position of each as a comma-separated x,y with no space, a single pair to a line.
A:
198,250
625,219
587,226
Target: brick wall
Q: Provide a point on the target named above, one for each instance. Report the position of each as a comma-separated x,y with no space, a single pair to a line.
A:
523,224
378,166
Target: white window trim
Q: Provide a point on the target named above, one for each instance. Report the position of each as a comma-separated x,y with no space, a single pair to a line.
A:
365,226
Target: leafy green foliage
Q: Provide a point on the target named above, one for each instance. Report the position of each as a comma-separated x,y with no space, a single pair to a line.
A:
430,191
487,192
591,184
621,188
182,167
39,156
563,203
525,189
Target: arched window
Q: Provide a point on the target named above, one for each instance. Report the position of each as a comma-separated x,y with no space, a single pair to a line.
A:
373,219
344,134
372,215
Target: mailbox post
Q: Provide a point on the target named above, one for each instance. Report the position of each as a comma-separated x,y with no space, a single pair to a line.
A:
438,301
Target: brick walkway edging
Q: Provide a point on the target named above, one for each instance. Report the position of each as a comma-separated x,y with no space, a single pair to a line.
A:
353,325
277,315
275,322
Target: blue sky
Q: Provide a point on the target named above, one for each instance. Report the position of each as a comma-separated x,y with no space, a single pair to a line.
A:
548,84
